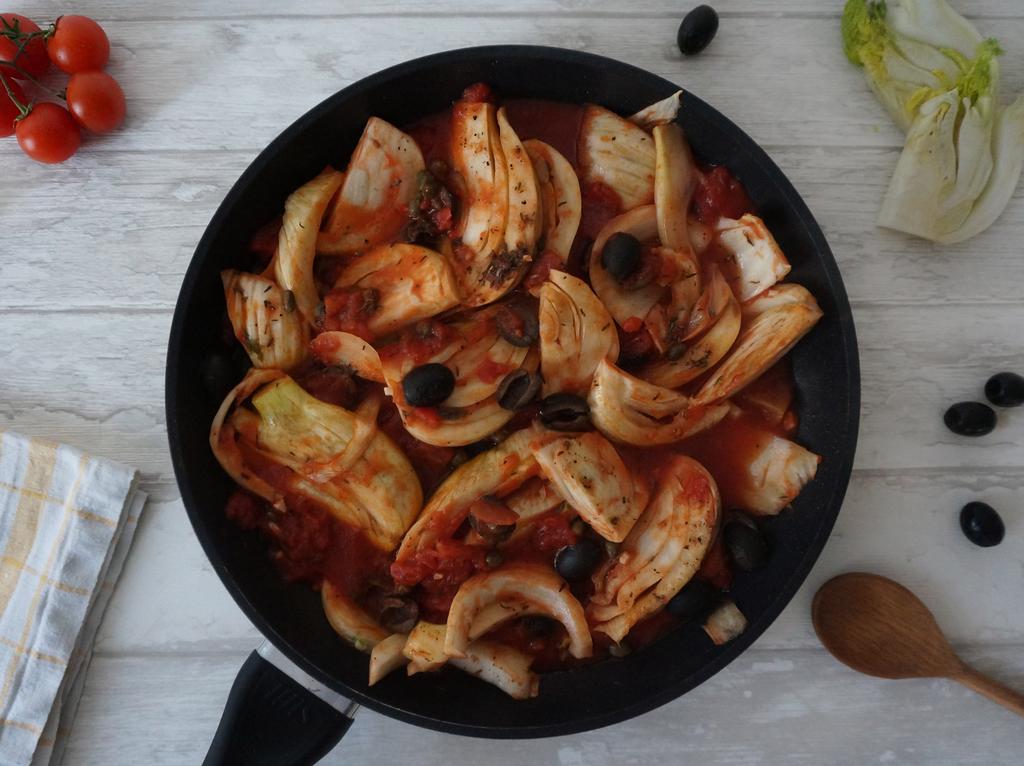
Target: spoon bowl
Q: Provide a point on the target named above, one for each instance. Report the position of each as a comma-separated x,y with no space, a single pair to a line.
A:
878,627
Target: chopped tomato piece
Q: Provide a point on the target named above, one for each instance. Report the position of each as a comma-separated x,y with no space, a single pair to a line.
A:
420,342
553,532
633,325
348,309
601,203
492,512
720,194
538,273
478,92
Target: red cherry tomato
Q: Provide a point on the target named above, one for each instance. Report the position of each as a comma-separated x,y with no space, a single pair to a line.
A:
8,111
33,58
96,101
79,44
49,133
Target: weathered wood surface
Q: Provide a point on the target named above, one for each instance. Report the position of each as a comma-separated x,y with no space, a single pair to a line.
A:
93,254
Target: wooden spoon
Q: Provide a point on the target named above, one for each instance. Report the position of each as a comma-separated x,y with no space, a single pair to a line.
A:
878,627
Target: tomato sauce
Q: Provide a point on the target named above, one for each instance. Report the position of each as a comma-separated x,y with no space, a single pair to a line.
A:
349,309
718,194
433,135
420,342
540,269
263,243
728,449
545,537
309,544
554,122
431,463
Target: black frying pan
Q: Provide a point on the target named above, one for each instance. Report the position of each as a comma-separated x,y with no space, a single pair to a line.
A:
290,616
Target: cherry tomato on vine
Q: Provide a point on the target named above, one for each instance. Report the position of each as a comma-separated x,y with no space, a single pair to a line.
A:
33,58
78,44
49,133
8,111
96,101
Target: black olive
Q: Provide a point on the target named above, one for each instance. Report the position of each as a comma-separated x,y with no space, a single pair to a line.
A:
982,524
399,614
492,533
428,385
621,255
517,323
693,600
970,419
697,30
746,544
577,562
518,389
492,519
1005,390
565,412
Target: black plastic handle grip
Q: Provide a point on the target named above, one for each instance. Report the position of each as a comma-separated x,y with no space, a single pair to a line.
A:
271,720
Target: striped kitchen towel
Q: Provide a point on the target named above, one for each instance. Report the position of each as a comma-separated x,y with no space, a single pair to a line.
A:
66,522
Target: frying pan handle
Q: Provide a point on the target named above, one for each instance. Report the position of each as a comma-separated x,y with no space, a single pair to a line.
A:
271,720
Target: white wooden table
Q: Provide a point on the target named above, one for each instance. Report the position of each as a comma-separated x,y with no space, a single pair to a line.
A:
92,254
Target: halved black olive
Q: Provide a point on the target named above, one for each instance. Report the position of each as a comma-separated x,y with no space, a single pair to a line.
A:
697,30
577,562
517,323
492,533
565,412
970,419
399,614
428,385
492,520
692,601
518,389
1005,390
621,255
982,524
746,544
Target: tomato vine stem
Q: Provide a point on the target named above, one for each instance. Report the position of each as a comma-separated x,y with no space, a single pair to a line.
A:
22,108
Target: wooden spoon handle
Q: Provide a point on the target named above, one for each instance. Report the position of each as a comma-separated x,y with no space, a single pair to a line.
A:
994,690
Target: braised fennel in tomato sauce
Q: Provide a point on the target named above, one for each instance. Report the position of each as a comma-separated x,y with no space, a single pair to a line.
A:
511,369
